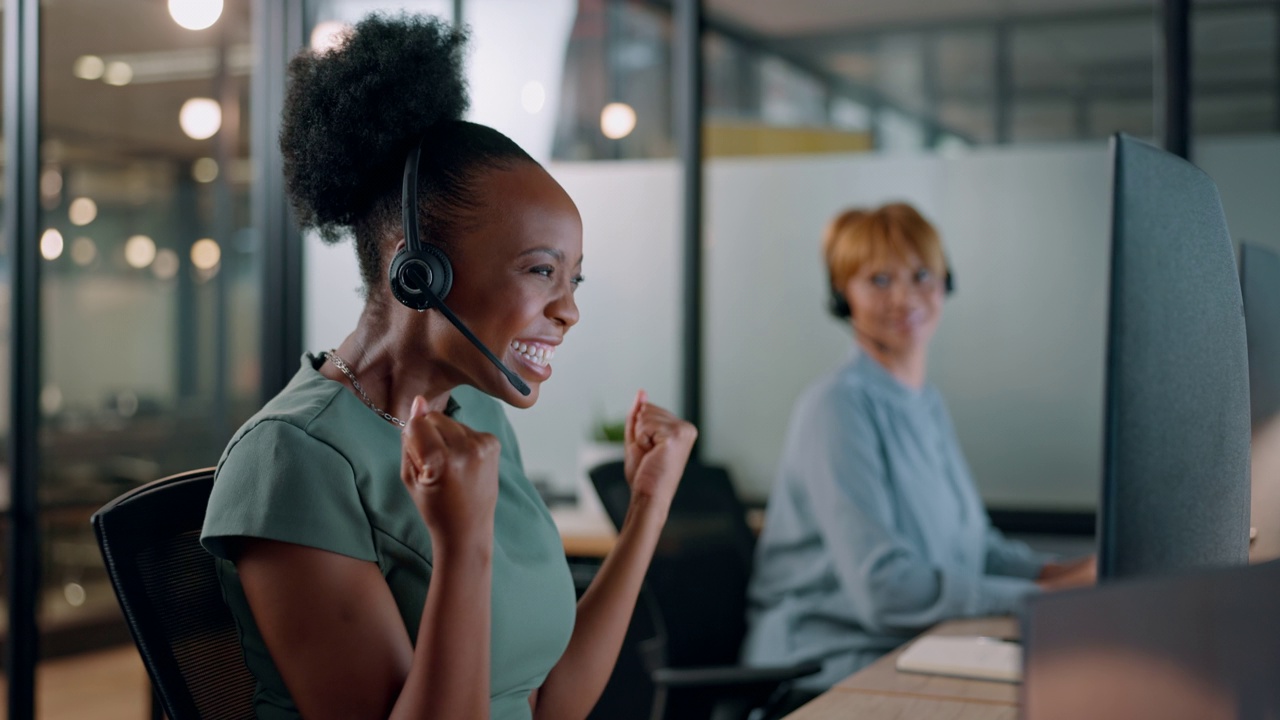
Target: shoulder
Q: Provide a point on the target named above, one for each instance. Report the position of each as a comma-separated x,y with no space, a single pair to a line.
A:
288,418
278,480
842,395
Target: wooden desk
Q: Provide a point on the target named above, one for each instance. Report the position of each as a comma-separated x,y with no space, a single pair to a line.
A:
584,534
880,691
847,705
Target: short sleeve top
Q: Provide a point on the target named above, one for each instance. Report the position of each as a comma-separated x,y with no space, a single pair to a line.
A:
316,467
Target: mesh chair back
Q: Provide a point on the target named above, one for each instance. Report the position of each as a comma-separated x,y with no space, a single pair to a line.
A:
698,578
168,587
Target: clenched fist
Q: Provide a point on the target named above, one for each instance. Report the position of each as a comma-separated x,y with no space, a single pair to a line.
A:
657,448
451,472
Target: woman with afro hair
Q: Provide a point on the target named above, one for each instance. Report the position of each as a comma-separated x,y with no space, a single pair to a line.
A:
376,538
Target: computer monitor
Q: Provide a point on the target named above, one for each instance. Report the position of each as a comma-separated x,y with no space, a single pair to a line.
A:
1175,485
1196,646
1260,286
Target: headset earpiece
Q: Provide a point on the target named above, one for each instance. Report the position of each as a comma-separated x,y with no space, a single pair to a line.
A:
418,266
412,270
838,304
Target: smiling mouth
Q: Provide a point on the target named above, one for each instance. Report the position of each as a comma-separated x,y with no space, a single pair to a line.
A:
539,355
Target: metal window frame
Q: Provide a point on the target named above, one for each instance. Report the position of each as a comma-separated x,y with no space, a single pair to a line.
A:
21,230
279,30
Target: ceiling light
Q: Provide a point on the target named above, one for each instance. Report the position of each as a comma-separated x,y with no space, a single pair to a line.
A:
195,14
83,251
200,118
617,120
205,254
166,264
139,251
50,182
51,399
328,35
205,170
82,211
118,73
51,244
88,67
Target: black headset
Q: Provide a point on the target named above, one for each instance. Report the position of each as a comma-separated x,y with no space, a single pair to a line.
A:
421,274
838,304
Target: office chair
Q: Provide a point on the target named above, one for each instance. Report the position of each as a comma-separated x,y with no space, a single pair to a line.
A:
168,589
697,590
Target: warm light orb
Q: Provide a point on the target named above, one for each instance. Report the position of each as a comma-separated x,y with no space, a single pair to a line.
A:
118,74
75,594
617,120
89,67
50,182
83,251
533,96
205,170
200,118
195,14
328,35
139,251
82,211
205,254
166,264
51,244
51,399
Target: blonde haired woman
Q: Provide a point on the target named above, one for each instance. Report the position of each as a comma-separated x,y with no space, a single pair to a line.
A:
874,529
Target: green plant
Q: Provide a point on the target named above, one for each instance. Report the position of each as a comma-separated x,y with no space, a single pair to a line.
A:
612,432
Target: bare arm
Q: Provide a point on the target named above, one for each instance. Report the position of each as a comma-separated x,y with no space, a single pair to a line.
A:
331,625
335,634
658,445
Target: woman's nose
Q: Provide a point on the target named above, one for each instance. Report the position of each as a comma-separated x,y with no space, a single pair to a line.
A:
564,310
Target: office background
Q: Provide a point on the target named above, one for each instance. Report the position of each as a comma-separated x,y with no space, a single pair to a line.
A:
155,292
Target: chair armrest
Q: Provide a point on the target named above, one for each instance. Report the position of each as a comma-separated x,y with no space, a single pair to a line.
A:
730,676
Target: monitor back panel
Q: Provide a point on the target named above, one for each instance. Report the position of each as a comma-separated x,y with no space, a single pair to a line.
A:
1175,490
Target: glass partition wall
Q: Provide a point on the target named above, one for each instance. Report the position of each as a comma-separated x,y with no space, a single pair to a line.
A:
149,276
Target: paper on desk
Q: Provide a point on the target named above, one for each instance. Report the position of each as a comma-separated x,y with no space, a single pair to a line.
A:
968,656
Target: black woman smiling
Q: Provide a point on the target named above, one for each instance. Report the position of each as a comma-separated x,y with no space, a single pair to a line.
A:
377,540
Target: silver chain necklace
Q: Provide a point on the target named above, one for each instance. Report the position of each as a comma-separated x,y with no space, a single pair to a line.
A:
341,364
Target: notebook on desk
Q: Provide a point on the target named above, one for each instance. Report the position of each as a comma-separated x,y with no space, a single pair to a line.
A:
969,656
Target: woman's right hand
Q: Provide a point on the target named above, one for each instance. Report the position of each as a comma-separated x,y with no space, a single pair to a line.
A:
451,471
1082,572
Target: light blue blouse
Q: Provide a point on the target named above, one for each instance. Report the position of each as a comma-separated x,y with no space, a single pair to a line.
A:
874,530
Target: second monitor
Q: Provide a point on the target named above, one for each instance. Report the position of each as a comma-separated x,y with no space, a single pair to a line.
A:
1175,486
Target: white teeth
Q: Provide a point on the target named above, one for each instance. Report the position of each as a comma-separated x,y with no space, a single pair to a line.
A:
538,355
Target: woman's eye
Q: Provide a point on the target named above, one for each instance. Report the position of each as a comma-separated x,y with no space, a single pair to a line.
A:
577,280
880,280
544,270
923,275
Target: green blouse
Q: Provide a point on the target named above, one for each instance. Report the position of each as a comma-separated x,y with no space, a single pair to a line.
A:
316,467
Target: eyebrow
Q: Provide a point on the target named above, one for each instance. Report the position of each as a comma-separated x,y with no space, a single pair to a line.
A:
554,253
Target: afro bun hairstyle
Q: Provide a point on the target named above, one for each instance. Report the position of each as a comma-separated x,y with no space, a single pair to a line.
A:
352,113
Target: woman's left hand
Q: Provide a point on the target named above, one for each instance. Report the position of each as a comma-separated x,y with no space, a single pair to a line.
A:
657,449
